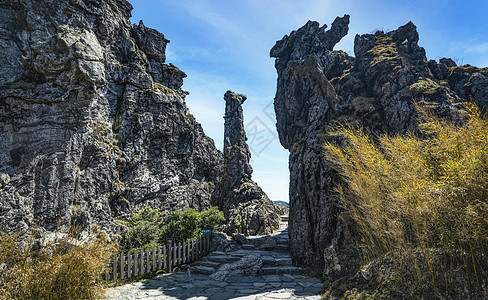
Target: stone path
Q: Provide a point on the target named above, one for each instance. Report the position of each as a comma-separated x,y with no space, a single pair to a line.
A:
275,278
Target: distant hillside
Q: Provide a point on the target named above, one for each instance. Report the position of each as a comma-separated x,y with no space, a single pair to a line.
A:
282,202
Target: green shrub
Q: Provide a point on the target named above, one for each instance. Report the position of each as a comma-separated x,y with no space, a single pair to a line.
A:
151,226
404,194
59,270
212,219
180,226
142,234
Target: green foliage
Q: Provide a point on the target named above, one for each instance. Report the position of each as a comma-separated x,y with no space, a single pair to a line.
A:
212,219
406,194
140,235
180,226
236,219
147,214
151,226
61,269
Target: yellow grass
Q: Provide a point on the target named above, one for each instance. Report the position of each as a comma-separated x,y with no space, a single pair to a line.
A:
61,269
404,193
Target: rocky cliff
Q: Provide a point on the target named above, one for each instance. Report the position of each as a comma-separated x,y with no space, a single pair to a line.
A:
377,89
241,199
93,123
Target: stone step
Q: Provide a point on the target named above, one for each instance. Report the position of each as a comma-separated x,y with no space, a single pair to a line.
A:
208,263
222,258
202,270
248,247
268,260
276,261
282,247
281,270
281,241
283,261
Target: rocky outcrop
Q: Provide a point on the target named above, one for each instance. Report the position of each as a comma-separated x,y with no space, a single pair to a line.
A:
93,123
241,199
377,89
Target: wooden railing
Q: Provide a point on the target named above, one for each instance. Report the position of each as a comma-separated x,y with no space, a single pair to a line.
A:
137,263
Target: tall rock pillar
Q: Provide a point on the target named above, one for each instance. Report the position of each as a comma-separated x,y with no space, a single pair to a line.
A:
236,151
246,205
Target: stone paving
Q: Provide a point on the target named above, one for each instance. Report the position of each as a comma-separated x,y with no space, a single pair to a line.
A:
276,279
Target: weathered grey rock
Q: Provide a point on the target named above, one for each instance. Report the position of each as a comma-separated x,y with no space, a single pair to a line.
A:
377,89
264,243
93,123
241,199
94,126
221,242
240,239
282,210
248,265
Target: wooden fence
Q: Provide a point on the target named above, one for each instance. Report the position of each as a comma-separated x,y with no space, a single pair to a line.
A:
136,263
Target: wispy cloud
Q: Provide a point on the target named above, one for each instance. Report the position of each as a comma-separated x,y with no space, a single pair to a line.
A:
478,48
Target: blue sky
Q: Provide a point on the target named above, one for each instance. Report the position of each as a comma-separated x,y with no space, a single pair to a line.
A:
224,44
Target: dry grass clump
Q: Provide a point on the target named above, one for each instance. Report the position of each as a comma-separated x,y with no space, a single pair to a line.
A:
60,269
405,194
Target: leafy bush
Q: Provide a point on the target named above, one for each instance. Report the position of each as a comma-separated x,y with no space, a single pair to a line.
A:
151,226
142,234
143,229
404,193
60,269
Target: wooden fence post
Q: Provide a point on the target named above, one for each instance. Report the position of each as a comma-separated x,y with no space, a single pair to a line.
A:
170,253
165,257
154,258
122,262
141,258
180,256
187,251
148,260
136,266
160,265
129,264
175,256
